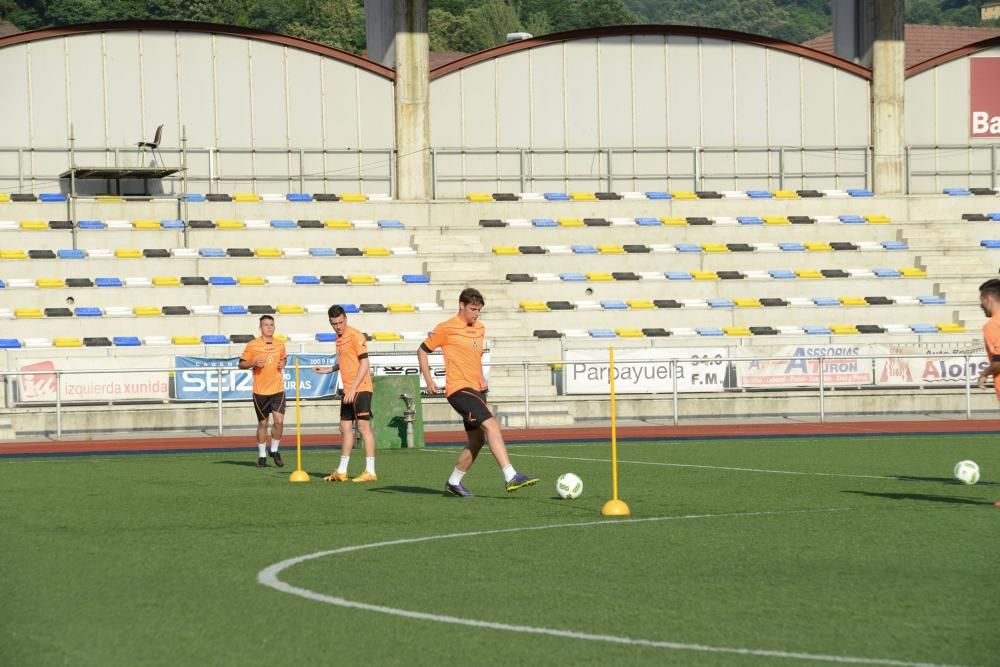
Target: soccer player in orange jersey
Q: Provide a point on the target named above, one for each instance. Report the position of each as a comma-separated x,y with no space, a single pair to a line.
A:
461,341
356,403
989,301
266,356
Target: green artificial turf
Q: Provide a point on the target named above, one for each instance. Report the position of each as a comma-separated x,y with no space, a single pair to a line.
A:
873,552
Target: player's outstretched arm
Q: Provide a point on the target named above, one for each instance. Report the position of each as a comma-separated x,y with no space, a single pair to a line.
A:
323,370
425,370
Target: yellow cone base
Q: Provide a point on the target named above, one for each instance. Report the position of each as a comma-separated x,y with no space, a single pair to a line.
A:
299,476
615,508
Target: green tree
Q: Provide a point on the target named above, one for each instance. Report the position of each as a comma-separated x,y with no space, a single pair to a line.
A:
337,23
596,13
490,22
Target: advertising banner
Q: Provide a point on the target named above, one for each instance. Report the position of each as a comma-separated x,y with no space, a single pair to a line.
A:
939,368
645,371
984,97
405,363
202,382
802,369
40,386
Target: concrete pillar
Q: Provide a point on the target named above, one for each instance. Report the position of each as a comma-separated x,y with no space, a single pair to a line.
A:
413,128
888,85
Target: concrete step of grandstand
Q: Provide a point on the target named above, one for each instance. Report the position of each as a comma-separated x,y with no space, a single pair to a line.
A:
7,429
508,381
954,263
539,415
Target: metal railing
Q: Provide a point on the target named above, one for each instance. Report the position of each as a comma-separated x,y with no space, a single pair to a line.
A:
691,170
821,389
916,154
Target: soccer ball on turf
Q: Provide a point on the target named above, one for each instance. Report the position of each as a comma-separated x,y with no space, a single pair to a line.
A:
569,486
967,472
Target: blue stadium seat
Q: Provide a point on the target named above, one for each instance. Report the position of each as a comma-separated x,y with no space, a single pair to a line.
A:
51,196
350,308
749,220
709,331
647,222
791,246
326,337
958,192
172,224
782,274
108,282
931,300
990,243
853,219
284,224
572,276
305,280
211,252
2,284
687,247
9,343
658,195
195,197
544,222
126,341
556,196
720,303
895,245
221,281
860,192
70,253
416,278
91,224
602,333
994,216
678,275
759,194
923,328
390,224
299,196
233,310
817,330
613,304
826,301
86,311
584,249
886,273
214,339
322,252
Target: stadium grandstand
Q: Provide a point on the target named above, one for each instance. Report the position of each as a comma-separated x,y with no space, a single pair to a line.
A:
709,203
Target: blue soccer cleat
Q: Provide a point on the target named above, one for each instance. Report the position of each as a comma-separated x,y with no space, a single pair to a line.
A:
520,481
457,490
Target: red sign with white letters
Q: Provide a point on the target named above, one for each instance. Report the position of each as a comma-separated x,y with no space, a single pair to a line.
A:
984,120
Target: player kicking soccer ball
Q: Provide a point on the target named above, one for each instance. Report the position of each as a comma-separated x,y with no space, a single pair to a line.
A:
461,341
266,356
356,403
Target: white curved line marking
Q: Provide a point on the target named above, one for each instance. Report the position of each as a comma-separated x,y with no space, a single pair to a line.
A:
269,577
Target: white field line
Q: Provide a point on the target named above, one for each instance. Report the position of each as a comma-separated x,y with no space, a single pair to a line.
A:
269,577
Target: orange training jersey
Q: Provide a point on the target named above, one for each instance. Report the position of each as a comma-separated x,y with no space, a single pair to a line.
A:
462,346
268,378
991,337
352,347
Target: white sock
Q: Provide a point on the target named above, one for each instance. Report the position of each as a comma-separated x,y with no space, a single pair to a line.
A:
274,444
456,477
370,465
261,449
508,472
342,468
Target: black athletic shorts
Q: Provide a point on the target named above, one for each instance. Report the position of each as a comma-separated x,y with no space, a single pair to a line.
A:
361,408
471,404
265,404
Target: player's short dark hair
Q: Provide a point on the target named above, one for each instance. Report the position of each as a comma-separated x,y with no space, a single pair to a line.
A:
991,287
470,295
335,311
265,317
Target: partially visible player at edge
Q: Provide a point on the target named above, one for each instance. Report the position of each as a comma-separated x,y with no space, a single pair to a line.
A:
266,356
989,301
356,403
461,341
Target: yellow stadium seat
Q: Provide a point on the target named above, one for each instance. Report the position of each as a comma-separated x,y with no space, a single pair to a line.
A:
67,342
246,197
27,313
505,250
582,196
250,280
13,254
570,222
4,197
386,336
401,308
128,253
950,327
356,196
599,276
108,199
714,247
808,273
34,224
377,252
683,194
146,311
817,246
281,338
737,331
50,282
290,309
185,340
146,224
786,194
479,196
913,272
166,281
629,332
338,224
229,224
747,303
610,249
640,304
534,306
704,275
843,329
267,252
673,221
361,279
775,220
878,219
852,301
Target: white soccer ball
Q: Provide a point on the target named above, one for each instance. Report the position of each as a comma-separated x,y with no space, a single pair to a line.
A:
569,486
967,472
